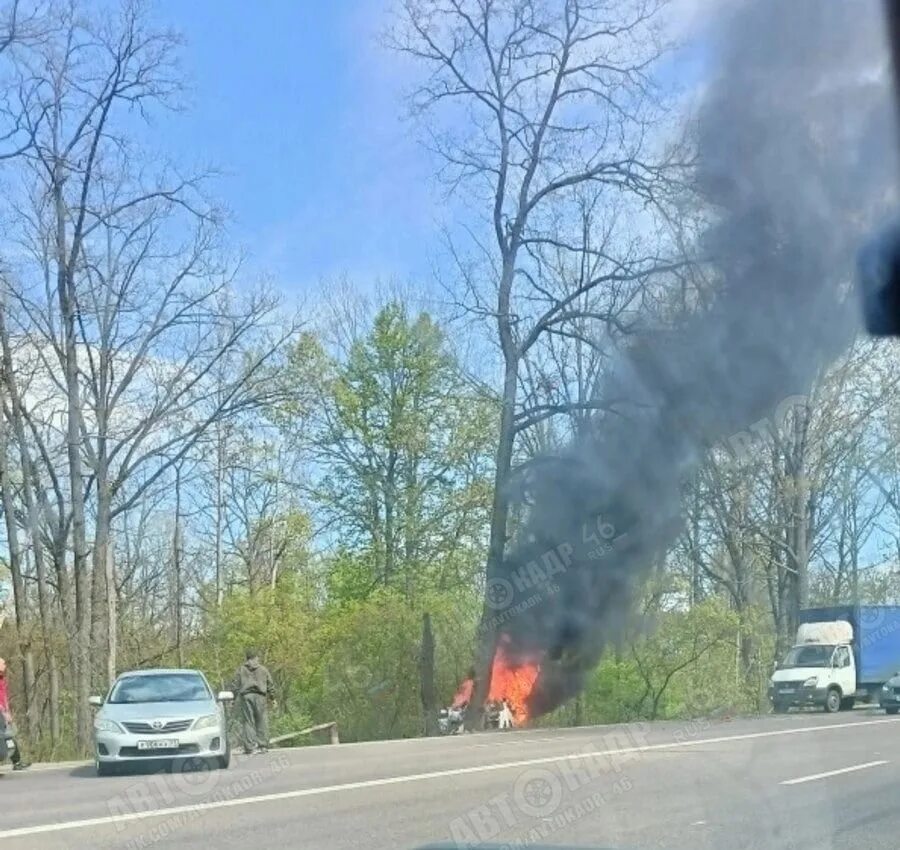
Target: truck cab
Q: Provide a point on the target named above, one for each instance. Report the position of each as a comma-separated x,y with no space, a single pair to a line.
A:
819,670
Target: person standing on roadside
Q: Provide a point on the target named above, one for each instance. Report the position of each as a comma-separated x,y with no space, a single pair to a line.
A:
253,686
6,720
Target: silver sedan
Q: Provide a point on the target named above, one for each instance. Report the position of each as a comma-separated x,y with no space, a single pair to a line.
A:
160,714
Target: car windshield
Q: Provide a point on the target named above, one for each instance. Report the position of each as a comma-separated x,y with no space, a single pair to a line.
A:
160,687
808,656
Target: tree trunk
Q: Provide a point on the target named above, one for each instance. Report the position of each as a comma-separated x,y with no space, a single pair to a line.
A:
47,635
854,550
578,720
487,632
797,499
66,294
112,617
102,591
98,615
802,560
177,567
426,672
29,486
32,710
104,558
390,505
44,608
411,532
53,671
14,549
695,556
220,472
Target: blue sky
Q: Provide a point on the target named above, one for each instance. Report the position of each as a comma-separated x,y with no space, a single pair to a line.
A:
302,109
300,106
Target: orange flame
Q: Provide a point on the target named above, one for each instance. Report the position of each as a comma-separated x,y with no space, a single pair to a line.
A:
514,683
464,694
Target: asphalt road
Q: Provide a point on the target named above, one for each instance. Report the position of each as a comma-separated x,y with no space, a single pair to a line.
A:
796,781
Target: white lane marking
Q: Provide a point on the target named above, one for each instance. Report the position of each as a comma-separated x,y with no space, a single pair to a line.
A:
417,777
813,777
699,823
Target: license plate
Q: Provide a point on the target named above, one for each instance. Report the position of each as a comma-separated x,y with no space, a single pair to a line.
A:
158,745
787,691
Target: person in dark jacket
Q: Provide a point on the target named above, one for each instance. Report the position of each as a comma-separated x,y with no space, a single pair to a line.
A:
6,723
253,687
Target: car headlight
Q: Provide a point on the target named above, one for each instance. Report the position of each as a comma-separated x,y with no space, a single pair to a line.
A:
207,721
885,687
811,682
101,725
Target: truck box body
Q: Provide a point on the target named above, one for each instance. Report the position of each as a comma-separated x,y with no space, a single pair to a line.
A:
876,638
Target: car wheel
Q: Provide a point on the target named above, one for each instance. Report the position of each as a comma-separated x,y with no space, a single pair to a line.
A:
833,701
892,709
780,707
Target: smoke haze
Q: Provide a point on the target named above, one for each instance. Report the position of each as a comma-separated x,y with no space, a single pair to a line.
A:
795,144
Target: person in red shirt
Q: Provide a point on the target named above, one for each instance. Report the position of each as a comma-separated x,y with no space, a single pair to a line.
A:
6,719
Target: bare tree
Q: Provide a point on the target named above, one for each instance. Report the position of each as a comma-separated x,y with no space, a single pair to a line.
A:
22,28
132,312
84,74
731,565
533,106
257,495
791,509
15,558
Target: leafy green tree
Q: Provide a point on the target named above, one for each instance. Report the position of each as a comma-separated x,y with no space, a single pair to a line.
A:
282,623
685,664
677,650
369,660
400,455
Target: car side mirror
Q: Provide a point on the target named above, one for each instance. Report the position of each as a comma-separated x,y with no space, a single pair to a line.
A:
95,701
225,696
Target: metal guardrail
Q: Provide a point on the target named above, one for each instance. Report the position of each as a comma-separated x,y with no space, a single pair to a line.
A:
331,727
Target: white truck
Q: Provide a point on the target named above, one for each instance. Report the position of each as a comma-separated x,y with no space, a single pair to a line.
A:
841,654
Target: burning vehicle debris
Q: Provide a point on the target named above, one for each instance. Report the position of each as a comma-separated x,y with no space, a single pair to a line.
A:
507,703
497,715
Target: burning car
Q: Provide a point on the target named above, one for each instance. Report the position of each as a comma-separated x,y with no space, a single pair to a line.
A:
450,720
506,705
512,683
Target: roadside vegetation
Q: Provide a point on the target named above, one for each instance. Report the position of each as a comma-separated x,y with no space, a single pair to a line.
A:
191,462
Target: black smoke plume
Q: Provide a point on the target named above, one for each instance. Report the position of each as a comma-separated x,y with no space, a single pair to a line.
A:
795,140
